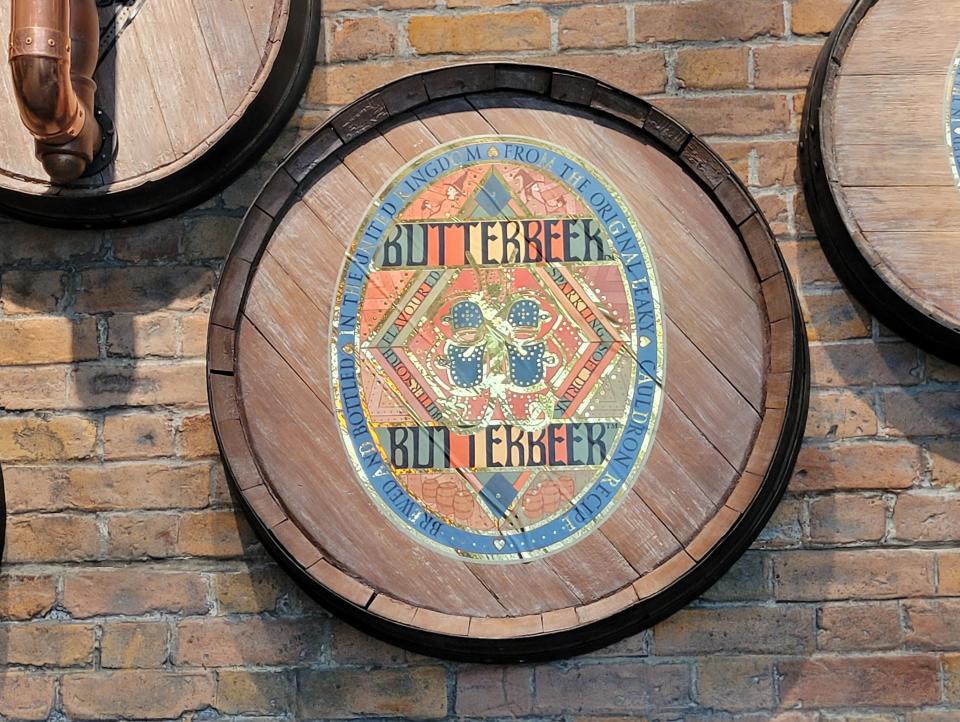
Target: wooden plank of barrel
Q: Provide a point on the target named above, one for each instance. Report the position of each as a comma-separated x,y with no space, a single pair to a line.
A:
196,90
880,144
505,364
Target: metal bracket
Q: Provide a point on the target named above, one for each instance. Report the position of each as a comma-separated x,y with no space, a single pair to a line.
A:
121,20
108,148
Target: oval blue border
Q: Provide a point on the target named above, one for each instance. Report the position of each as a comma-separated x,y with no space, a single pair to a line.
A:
516,545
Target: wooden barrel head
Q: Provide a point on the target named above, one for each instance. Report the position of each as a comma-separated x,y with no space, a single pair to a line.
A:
505,364
880,146
196,90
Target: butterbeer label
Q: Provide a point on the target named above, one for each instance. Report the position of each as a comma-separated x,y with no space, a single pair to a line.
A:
499,354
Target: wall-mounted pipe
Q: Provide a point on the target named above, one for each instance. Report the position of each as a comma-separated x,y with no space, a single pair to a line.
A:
53,55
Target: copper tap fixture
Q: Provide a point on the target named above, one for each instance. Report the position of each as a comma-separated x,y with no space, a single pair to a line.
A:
53,55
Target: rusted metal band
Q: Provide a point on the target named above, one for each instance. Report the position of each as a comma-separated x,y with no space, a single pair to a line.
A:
39,42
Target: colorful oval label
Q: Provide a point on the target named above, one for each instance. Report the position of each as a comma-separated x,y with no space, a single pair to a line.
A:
499,352
953,117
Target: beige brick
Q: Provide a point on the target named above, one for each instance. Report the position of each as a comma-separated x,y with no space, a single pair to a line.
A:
143,695
152,334
418,692
137,436
756,114
481,33
46,340
712,68
213,534
144,289
636,72
55,438
146,384
248,692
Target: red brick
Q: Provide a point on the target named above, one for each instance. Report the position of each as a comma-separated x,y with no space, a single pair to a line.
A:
133,591
143,289
932,624
132,645
712,68
137,436
921,413
26,695
31,291
774,630
746,580
151,694
925,517
807,264
951,678
859,465
776,209
195,437
858,627
735,683
632,687
141,536
215,642
776,163
336,6
853,574
636,72
352,647
816,16
418,692
840,415
55,438
708,20
784,528
25,596
151,242
593,27
481,33
864,364
47,340
756,114
859,682
834,316
246,692
137,486
51,538
27,242
735,154
251,591
210,237
213,534
47,643
846,518
784,66
484,691
362,38
944,462
193,335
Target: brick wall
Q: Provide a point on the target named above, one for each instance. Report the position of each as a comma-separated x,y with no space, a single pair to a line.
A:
131,587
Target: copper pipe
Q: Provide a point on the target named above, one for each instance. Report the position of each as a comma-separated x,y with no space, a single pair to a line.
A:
53,55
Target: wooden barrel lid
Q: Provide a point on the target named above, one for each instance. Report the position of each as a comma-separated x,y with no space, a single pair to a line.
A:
196,89
505,364
879,153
